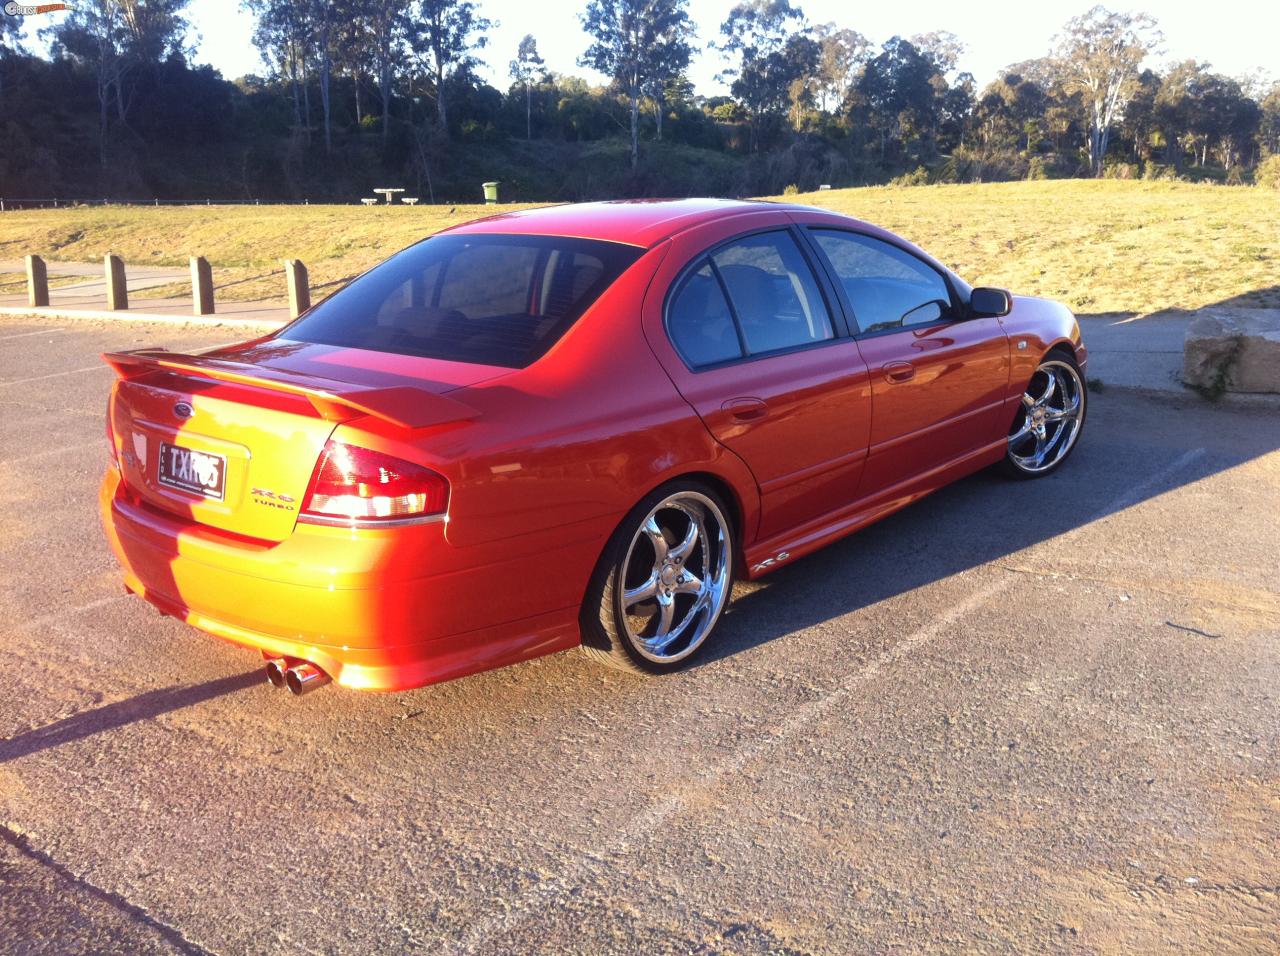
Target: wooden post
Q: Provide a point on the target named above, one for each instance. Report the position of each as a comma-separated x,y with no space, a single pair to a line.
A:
37,282
201,286
295,275
117,290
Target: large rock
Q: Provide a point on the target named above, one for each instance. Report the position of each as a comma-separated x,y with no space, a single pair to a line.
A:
1233,350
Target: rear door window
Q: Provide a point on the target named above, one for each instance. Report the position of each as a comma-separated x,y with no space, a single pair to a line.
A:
752,296
774,293
486,299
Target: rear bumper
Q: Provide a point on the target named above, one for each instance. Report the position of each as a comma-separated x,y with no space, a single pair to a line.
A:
366,606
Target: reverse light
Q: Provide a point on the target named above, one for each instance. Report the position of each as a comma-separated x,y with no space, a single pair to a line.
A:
360,485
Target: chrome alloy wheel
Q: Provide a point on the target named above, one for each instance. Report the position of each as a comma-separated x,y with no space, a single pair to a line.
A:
1049,420
675,577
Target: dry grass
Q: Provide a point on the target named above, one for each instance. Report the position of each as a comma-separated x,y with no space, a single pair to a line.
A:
1099,246
1107,246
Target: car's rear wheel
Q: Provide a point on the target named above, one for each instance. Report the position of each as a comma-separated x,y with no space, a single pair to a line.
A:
663,582
1049,420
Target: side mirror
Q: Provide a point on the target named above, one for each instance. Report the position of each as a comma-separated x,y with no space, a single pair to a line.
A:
987,303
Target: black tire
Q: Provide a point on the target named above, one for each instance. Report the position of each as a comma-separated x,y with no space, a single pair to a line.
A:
606,634
1021,466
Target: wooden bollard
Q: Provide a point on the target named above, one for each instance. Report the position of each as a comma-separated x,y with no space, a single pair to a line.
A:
295,275
117,290
201,286
37,282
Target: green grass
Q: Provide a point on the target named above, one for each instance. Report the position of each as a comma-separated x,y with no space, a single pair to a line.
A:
1100,246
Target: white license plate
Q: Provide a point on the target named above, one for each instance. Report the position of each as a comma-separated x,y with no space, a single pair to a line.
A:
195,472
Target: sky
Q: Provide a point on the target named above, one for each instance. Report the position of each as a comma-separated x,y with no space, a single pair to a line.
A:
996,33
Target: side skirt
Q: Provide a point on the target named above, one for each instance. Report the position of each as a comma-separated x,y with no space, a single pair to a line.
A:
769,555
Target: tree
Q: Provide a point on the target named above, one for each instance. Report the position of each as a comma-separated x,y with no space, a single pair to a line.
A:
1006,108
284,40
758,33
639,44
1098,55
527,68
389,31
899,95
1269,123
445,34
942,47
841,53
324,17
95,35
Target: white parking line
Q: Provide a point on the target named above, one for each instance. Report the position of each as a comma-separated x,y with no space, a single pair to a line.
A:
55,616
50,452
23,335
541,896
101,366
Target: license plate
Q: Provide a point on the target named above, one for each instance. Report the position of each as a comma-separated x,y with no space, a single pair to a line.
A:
195,472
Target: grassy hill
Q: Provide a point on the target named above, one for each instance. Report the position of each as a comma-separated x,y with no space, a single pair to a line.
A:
1100,246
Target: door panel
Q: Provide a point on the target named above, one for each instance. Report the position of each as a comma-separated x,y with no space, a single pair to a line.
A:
937,385
937,393
800,419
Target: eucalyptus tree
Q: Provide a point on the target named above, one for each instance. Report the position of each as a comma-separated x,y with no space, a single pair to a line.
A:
764,37
284,40
527,68
842,53
445,34
639,44
1098,55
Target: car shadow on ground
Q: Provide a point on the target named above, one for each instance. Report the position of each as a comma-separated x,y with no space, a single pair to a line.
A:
986,517
111,716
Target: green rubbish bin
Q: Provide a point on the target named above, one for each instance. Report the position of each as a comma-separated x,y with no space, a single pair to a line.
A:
491,192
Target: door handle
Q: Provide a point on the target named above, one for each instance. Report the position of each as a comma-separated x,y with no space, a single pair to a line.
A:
899,372
745,409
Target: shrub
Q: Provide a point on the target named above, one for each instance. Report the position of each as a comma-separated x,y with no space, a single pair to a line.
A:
1268,172
918,178
1120,171
1036,168
791,190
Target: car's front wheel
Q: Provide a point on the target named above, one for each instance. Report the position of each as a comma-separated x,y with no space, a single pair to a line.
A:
1049,420
663,582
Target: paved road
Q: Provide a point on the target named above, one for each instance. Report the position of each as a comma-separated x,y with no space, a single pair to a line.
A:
1034,717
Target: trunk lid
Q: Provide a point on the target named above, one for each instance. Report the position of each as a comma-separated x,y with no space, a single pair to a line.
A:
231,438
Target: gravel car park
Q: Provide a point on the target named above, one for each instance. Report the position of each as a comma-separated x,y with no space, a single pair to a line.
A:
1014,716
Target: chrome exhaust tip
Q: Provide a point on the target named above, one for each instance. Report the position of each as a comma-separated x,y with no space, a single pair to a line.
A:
276,669
304,678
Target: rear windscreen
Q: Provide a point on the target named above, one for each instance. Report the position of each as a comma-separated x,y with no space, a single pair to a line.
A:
491,300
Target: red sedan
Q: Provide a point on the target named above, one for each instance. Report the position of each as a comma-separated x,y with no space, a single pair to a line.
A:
573,425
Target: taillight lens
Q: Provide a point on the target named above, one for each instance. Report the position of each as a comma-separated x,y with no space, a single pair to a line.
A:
362,485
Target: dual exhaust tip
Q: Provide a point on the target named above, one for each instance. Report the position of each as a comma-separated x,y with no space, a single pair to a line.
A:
301,677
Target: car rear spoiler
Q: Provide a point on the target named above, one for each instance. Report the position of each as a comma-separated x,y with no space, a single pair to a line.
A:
402,405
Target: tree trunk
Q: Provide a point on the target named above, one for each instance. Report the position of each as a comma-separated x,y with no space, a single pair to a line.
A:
359,118
306,103
325,70
384,88
635,128
659,108
528,112
441,116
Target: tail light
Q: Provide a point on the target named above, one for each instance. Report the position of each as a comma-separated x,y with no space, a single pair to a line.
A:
359,485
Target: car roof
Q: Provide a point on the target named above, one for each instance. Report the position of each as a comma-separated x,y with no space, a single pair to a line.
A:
636,222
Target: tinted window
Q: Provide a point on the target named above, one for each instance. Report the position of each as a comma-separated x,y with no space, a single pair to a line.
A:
774,294
700,322
887,287
492,300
